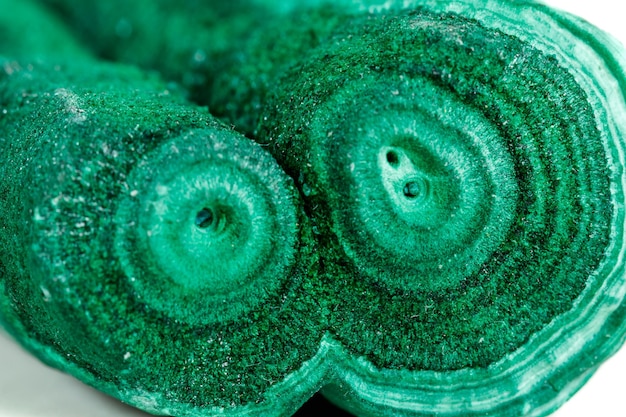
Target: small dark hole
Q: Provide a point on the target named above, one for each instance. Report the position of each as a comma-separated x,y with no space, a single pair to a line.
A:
392,158
411,189
204,218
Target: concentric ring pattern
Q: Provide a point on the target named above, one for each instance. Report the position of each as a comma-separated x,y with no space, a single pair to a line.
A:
453,244
510,207
150,249
470,177
207,219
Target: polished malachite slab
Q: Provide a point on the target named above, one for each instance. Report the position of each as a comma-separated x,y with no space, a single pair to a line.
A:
460,165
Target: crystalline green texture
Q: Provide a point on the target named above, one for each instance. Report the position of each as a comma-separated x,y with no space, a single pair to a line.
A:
110,268
459,185
470,169
105,270
106,273
506,115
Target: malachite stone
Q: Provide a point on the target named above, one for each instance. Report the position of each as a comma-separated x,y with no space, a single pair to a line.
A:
460,164
146,248
112,269
464,163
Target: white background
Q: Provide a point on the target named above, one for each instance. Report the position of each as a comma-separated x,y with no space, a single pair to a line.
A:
29,389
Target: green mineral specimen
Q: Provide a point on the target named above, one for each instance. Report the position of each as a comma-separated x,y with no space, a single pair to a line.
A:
146,248
461,165
464,161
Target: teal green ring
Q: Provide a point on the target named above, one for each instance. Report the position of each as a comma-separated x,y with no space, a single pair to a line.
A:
216,273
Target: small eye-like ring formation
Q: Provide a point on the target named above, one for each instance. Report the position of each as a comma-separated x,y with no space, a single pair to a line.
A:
428,220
